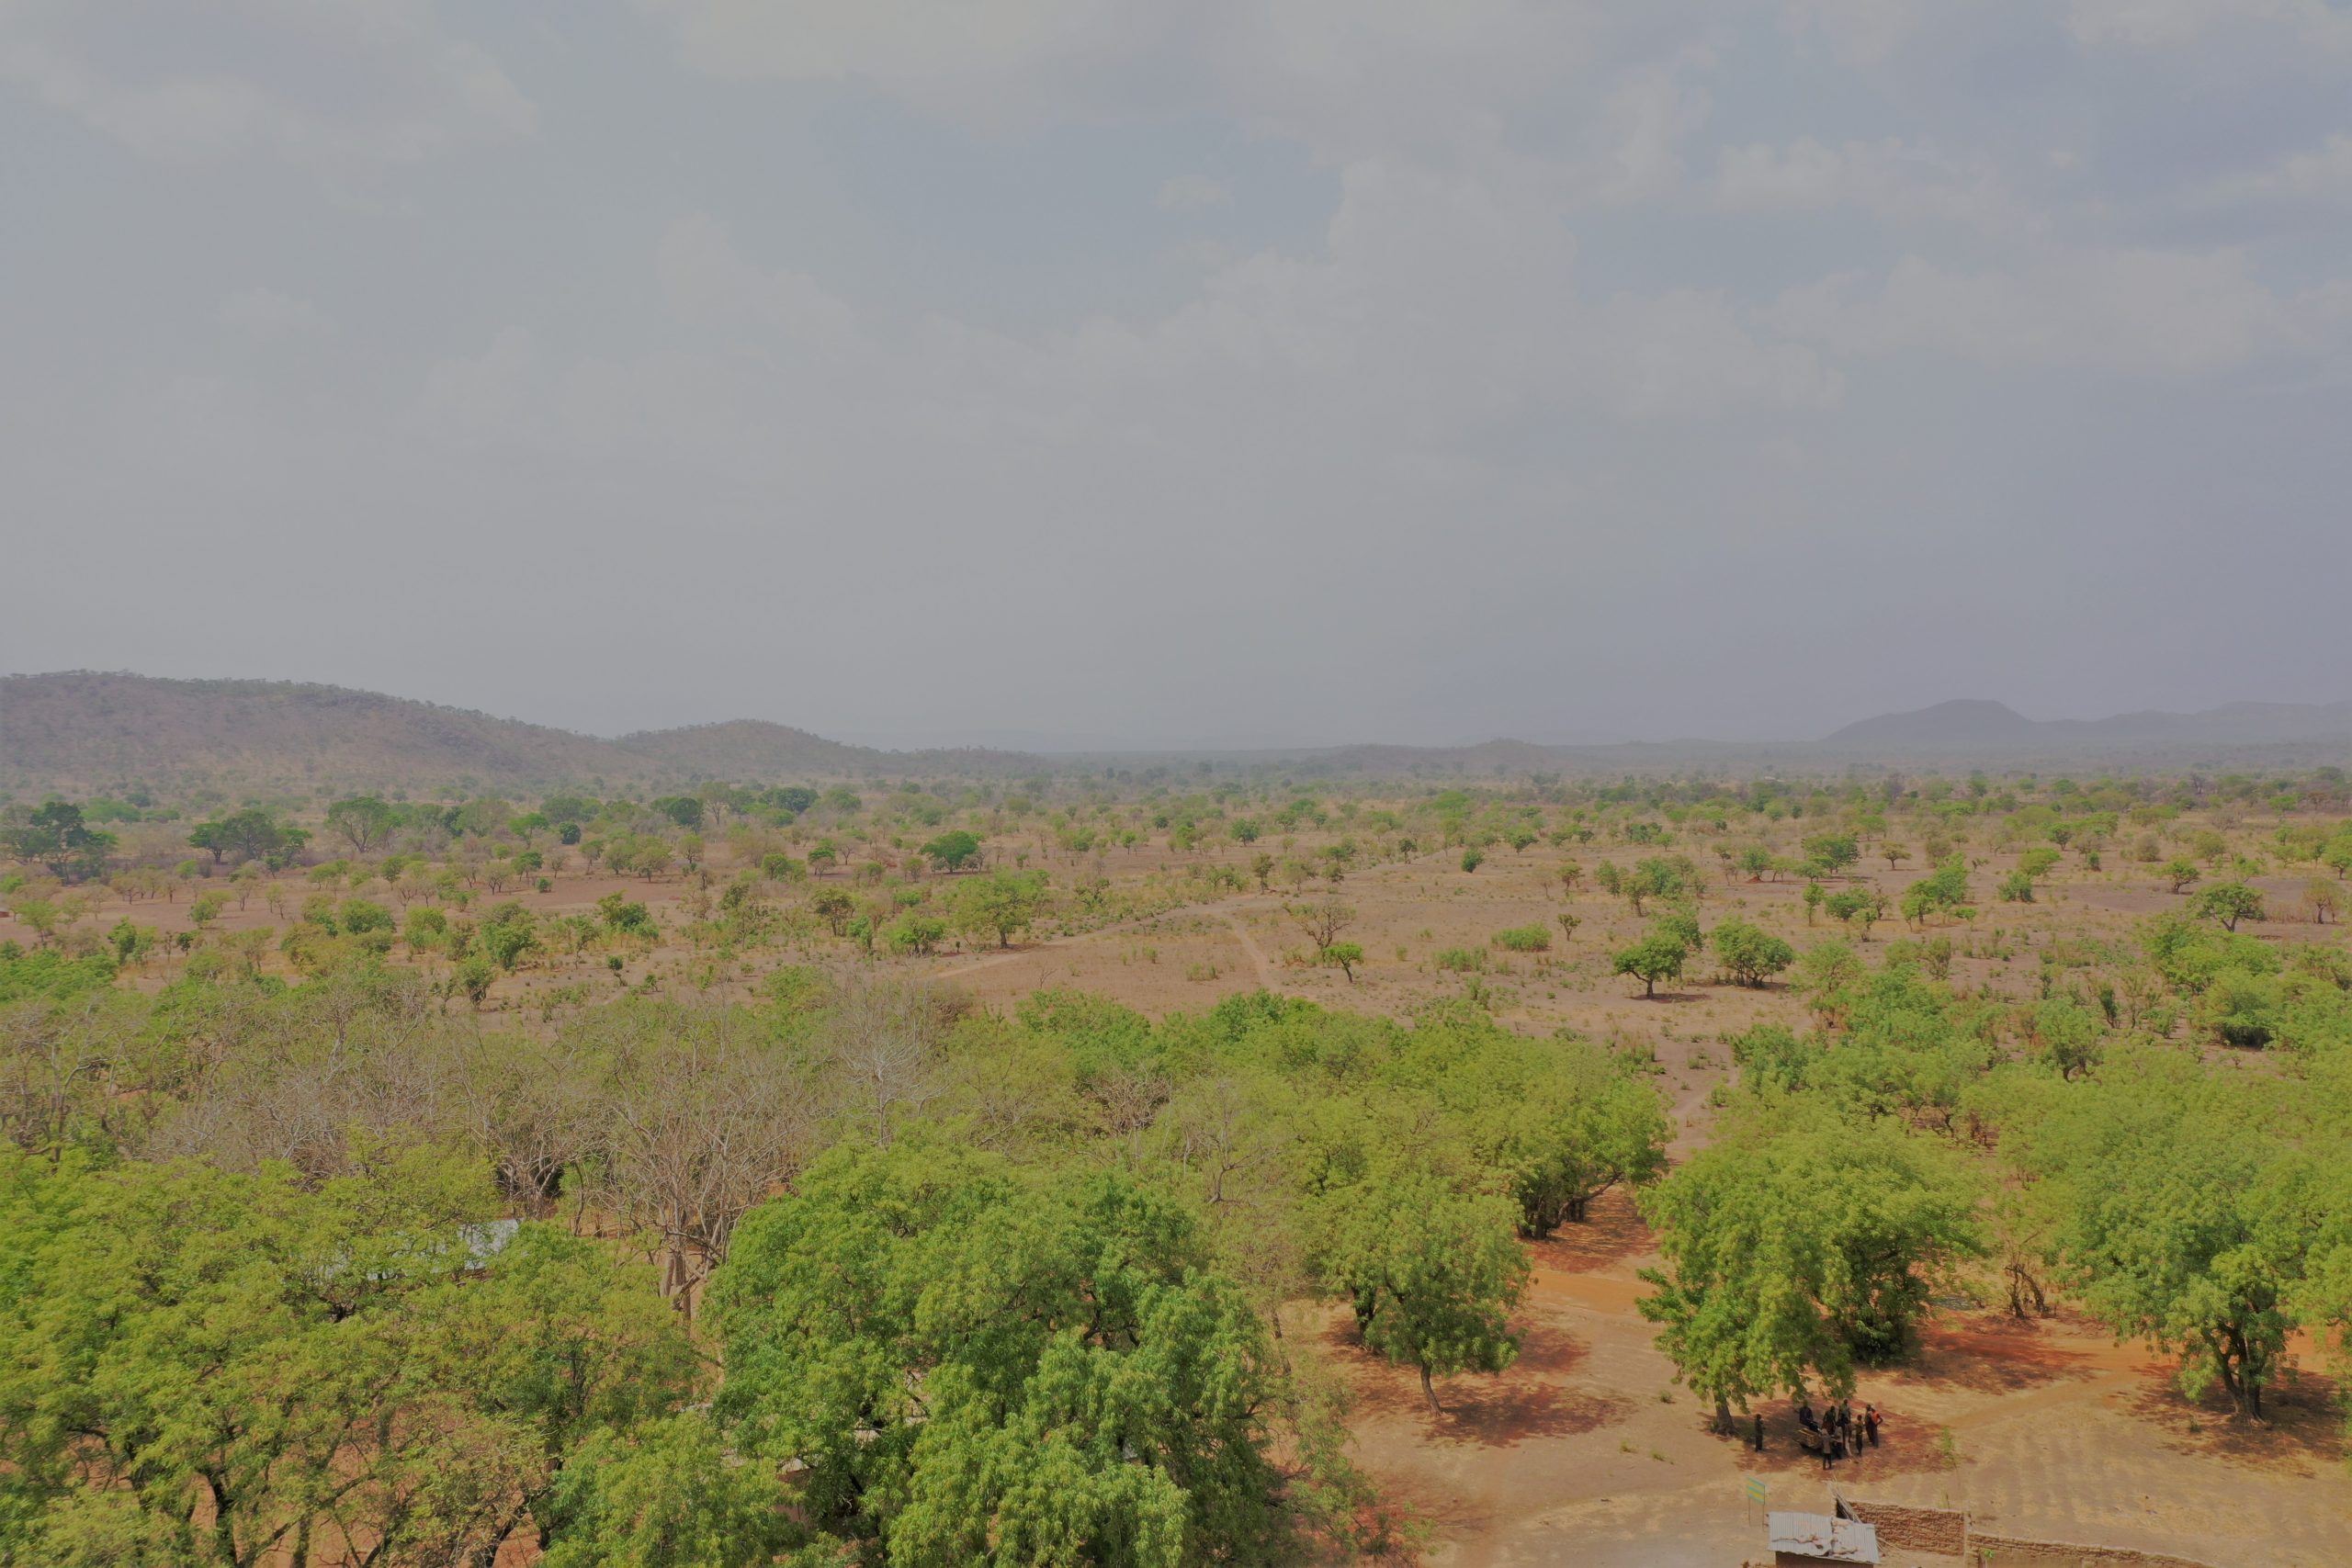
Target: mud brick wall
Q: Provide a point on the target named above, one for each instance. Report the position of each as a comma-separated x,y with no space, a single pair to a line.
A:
1943,1531
2017,1551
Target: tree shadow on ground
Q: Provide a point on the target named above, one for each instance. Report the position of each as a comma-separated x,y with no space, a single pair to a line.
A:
1526,1400
1611,1232
2301,1427
1991,1354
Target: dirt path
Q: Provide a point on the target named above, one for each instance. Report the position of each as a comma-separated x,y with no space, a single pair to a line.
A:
1056,944
1258,959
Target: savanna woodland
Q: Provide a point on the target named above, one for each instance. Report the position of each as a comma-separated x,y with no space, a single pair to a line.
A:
1150,1168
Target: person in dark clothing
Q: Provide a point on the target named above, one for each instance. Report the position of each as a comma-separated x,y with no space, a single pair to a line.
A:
1809,1427
1759,1431
1841,1429
1870,1423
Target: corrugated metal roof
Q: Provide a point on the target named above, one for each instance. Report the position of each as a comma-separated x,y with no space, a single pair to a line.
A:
1818,1535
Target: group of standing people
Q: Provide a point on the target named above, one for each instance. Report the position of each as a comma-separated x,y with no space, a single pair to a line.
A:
1838,1433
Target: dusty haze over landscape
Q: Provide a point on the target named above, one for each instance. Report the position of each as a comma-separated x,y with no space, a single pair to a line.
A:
1175,784
1185,375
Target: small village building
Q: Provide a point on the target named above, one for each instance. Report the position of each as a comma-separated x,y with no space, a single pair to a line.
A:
1801,1539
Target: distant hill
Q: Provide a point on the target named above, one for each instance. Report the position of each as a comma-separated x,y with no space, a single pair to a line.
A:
755,749
1962,722
1995,729
86,730
86,733
89,732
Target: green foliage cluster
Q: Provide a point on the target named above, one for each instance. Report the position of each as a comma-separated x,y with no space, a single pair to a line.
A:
2071,1142
214,1367
1024,1287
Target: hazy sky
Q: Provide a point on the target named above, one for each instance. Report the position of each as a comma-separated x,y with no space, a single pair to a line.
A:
1289,369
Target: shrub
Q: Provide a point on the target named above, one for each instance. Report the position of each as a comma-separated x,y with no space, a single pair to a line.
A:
1523,939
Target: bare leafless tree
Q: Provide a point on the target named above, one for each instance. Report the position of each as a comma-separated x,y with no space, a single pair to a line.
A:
704,1117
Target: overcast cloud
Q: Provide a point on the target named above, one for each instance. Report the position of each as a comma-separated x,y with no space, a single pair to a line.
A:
1290,370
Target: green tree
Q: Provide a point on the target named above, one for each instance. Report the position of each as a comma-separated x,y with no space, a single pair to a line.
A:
1659,955
1433,1274
916,935
228,1369
474,974
973,1368
668,1495
1851,903
363,820
53,835
626,915
1659,877
2184,1219
834,908
1798,1245
1832,853
1565,1123
999,903
953,851
2229,903
1750,954
507,936
250,834
1942,891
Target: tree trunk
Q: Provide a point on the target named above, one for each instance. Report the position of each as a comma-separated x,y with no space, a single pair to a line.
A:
1428,1391
1723,1416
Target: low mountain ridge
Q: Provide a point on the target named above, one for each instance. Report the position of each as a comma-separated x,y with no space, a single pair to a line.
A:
82,732
757,748
1963,721
1978,724
91,730
88,731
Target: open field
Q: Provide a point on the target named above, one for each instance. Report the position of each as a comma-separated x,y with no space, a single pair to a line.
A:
1589,1445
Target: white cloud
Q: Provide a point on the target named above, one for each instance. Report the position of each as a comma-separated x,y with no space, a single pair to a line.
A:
1351,77
1885,177
2162,24
1191,193
2131,310
1646,119
2321,174
354,83
1862,31
267,314
2330,304
705,278
1687,355
1442,317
